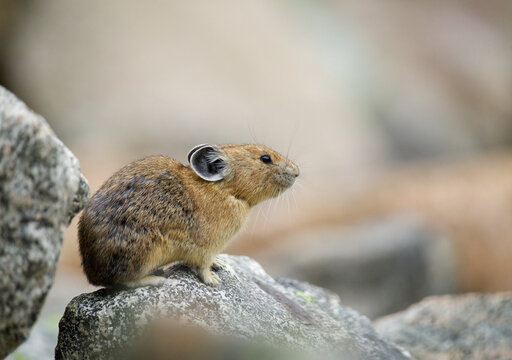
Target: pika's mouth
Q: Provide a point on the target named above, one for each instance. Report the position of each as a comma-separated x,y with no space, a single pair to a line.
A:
286,180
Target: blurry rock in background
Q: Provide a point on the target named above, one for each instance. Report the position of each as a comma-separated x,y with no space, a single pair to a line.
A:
352,89
376,268
469,326
470,201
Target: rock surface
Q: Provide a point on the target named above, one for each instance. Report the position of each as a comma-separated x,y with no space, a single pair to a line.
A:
377,267
473,326
248,304
41,189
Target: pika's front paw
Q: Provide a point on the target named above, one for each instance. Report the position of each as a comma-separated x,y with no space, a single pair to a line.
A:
209,278
218,264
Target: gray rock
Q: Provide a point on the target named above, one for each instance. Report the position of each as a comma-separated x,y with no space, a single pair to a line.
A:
472,326
41,188
376,267
249,304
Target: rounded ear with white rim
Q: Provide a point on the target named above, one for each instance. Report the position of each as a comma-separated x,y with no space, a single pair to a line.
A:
208,162
194,149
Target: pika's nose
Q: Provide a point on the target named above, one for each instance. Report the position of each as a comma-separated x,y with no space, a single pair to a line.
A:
294,170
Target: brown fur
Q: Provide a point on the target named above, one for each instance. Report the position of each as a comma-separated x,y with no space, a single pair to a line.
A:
156,210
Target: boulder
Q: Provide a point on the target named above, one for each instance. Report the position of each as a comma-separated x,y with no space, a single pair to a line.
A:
41,189
472,326
249,304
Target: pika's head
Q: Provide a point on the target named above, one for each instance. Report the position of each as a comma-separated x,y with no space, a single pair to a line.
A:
249,172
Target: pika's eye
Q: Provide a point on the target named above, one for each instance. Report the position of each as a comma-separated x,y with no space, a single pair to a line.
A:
266,159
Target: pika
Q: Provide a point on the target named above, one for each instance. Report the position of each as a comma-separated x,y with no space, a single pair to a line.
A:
155,211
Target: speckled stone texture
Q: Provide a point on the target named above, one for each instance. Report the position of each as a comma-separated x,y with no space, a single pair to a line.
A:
41,189
473,326
248,304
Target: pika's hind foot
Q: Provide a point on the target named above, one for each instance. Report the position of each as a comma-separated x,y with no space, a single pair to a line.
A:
208,277
150,280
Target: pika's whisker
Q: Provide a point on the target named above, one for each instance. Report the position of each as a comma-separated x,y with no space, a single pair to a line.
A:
274,201
252,133
293,197
257,219
269,213
263,209
292,137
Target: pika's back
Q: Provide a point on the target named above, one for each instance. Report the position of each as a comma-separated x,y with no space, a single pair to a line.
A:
126,217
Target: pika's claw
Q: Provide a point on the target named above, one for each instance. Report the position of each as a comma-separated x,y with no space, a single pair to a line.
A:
208,277
218,264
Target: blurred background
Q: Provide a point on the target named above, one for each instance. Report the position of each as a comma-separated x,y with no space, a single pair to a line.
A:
398,113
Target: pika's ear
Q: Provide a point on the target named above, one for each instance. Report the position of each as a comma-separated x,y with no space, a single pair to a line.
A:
194,149
209,162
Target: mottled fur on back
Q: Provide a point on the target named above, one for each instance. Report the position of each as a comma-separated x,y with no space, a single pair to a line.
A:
156,210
